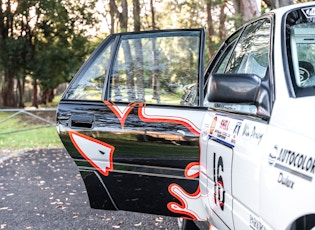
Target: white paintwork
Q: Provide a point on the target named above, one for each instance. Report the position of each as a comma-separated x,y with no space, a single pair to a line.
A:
269,167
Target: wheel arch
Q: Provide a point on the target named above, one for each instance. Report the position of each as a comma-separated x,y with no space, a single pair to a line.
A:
303,222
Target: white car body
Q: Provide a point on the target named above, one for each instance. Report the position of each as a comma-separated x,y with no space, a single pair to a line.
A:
267,168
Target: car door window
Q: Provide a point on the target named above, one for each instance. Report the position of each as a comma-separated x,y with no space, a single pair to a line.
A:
90,84
251,52
222,67
156,69
245,52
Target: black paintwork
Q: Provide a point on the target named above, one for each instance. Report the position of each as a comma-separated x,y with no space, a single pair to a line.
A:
148,157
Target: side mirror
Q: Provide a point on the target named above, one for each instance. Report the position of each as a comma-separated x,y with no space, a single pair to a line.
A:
224,90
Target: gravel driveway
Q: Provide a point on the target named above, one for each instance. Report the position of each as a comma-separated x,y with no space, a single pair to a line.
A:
42,189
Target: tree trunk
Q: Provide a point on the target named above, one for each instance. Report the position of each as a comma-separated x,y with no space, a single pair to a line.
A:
273,4
35,91
47,96
112,11
7,94
152,15
44,97
136,15
51,95
210,27
3,31
247,8
222,19
20,88
123,22
156,74
129,71
123,16
6,30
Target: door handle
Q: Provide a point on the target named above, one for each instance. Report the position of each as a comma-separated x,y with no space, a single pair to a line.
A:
82,121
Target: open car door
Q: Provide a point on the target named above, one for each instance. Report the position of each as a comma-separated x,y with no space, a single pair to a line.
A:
131,119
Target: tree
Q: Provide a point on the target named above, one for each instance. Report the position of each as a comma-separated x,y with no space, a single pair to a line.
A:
248,9
210,27
123,21
60,45
273,4
38,39
8,46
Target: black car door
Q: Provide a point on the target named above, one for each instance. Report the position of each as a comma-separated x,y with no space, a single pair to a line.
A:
131,118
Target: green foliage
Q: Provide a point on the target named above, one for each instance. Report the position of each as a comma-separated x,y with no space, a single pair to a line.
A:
44,39
62,45
49,40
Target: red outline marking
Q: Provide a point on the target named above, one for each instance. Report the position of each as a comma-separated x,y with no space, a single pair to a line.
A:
121,115
189,166
169,119
112,148
182,203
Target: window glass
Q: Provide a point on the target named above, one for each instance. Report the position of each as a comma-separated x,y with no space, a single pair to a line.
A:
300,41
223,65
226,52
251,52
91,81
303,53
245,53
157,68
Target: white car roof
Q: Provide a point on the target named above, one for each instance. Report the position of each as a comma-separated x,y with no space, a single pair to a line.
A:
284,9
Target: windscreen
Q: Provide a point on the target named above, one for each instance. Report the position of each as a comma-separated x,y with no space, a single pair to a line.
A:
300,34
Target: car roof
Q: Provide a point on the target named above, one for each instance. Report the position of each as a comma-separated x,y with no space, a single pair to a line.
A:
285,9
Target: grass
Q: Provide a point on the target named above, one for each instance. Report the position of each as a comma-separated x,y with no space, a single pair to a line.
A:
23,131
31,139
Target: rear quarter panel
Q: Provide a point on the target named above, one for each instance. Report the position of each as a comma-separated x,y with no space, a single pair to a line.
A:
287,180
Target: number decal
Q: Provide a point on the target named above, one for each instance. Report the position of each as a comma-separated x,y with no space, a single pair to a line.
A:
219,193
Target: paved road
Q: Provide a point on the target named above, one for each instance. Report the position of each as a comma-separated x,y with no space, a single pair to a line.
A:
42,189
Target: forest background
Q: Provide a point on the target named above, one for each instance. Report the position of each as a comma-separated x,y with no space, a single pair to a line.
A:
44,42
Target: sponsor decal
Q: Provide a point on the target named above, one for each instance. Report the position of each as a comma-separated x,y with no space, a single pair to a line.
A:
224,124
254,223
304,75
236,131
237,128
97,153
221,134
189,204
251,132
309,12
213,124
285,180
225,130
295,163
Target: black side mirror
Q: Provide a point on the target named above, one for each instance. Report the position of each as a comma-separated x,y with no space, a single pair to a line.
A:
245,89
